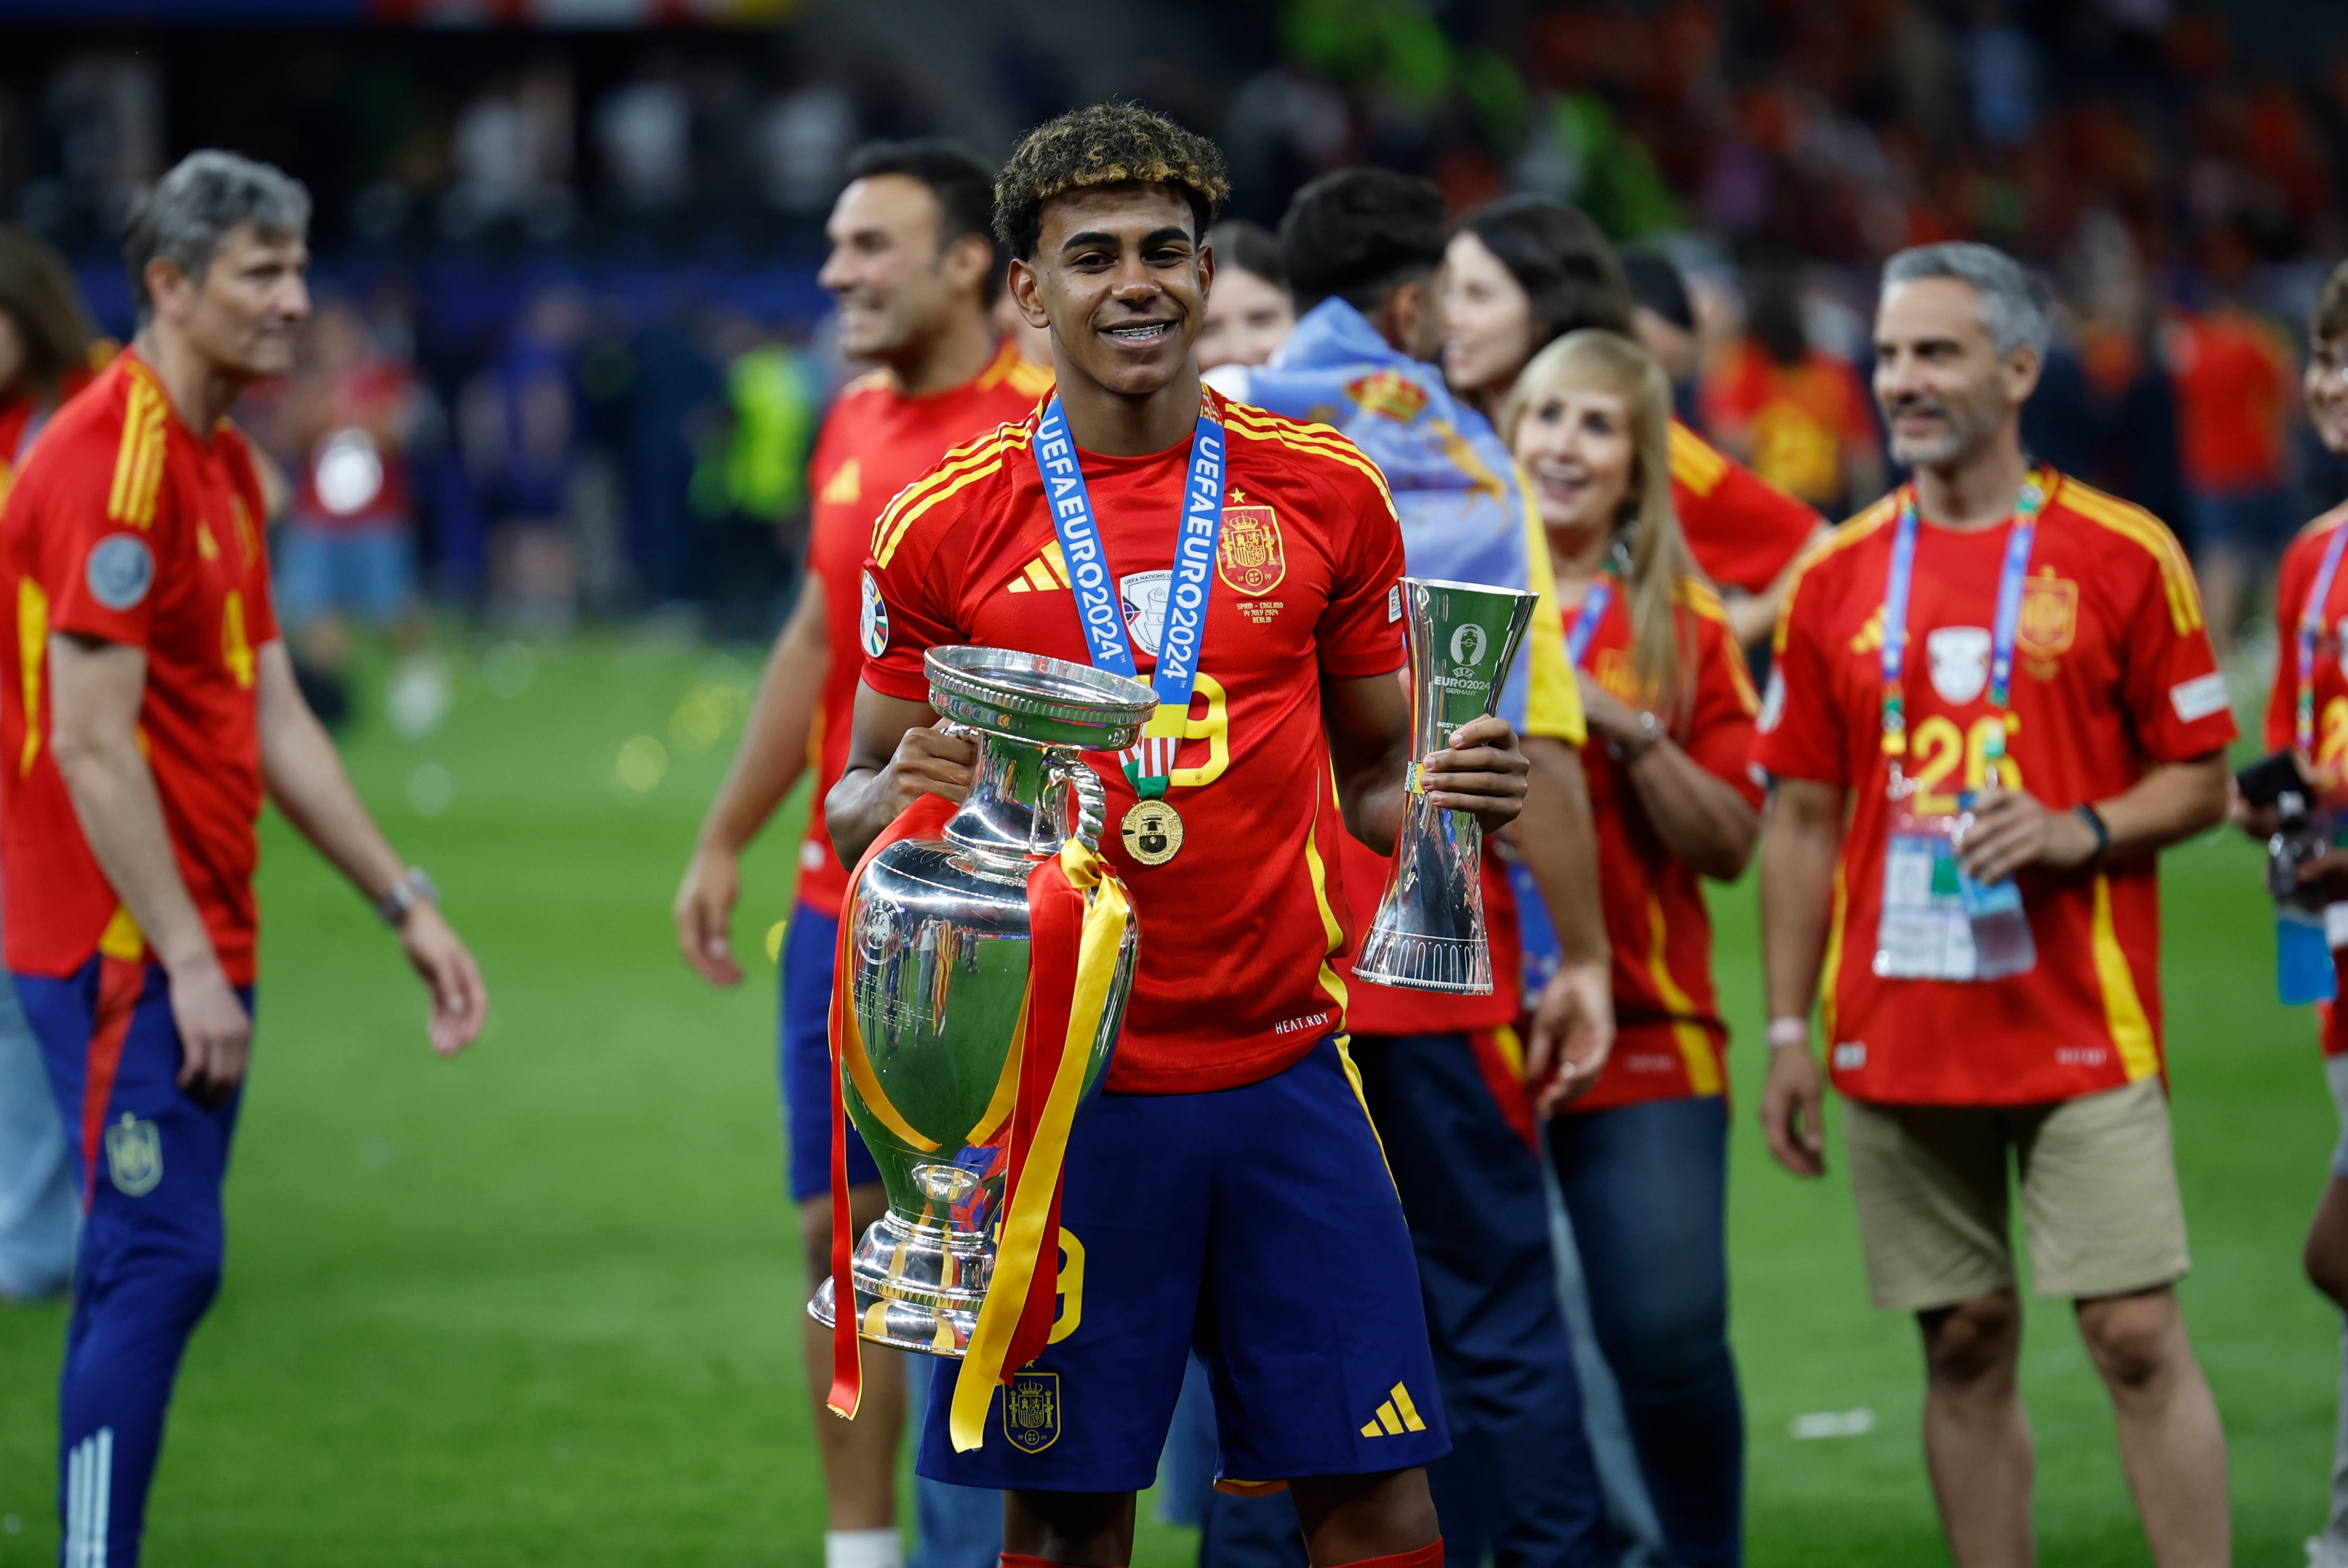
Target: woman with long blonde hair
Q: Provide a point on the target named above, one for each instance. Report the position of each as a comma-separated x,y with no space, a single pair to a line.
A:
1642,1158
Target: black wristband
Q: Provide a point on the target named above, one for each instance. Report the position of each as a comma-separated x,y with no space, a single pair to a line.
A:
2094,819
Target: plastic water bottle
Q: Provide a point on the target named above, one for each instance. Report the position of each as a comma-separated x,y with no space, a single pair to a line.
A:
2002,944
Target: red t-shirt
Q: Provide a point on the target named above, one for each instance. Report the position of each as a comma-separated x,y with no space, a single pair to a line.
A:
875,442
1240,930
2233,399
126,526
2293,583
1797,420
354,475
1743,530
2113,675
1670,1042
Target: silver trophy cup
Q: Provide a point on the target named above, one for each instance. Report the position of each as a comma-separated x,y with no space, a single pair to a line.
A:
1429,932
937,972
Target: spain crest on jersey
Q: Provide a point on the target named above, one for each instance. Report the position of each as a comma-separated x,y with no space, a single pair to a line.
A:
2050,616
1248,556
1031,1412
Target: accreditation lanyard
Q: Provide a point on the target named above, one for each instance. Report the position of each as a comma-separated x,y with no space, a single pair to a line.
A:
2310,631
1184,629
2012,575
1578,637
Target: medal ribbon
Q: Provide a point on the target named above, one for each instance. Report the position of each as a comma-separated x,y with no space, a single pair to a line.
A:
2012,575
1578,636
2310,631
1184,629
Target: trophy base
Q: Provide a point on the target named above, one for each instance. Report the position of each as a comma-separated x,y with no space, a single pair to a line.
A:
1459,964
918,1287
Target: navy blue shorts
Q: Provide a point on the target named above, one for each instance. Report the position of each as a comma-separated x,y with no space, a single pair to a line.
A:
803,1059
2258,522
1258,1224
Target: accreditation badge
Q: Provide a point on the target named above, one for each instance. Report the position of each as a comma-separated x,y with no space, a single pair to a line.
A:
1152,831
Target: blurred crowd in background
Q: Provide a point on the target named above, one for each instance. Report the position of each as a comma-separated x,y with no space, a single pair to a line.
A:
571,351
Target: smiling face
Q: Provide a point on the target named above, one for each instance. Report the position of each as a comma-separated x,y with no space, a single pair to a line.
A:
1249,316
1945,391
242,313
1487,320
890,277
1578,445
2327,391
1119,277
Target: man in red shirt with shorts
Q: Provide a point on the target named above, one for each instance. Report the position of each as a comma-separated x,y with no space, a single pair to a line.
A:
1226,1187
914,267
1993,704
146,707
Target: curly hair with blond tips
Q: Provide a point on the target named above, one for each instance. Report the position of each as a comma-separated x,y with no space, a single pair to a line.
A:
1107,144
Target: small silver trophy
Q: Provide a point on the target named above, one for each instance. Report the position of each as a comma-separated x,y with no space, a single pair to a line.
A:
1429,931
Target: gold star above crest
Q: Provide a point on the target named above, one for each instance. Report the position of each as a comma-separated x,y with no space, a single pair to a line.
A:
1239,497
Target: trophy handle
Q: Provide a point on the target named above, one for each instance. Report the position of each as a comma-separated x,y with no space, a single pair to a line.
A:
1092,800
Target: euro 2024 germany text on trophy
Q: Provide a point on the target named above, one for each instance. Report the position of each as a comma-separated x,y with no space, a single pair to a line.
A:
1429,935
983,973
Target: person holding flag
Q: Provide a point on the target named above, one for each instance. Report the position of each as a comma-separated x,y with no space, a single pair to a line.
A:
1642,1157
1226,1189
1994,703
1446,1075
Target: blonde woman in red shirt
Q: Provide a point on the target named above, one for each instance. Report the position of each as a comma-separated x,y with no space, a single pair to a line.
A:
1642,1158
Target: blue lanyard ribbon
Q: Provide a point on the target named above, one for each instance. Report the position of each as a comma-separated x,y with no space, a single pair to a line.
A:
1578,636
1184,629
2310,631
2012,575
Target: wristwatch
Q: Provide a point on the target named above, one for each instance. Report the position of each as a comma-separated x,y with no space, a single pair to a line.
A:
409,891
1650,730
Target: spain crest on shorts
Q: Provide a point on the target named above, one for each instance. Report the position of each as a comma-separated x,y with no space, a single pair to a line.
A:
1031,1412
134,1156
1249,555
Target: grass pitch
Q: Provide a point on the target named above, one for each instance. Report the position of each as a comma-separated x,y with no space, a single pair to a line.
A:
540,1305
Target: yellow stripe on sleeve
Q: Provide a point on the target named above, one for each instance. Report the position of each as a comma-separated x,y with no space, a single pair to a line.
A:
1553,706
2135,524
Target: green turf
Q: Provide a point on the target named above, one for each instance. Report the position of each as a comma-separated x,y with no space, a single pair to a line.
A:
540,1305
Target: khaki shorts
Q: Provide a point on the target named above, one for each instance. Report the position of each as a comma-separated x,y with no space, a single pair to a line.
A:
2099,1201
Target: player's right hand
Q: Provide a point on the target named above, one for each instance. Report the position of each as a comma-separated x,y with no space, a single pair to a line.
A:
927,762
705,915
1793,1110
215,1031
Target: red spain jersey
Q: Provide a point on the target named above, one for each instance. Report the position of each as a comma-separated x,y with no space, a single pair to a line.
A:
1242,929
1669,1041
2293,583
875,442
2113,675
1742,529
126,526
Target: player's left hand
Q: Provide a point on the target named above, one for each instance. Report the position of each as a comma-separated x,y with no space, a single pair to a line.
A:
1572,1035
459,1001
2012,829
1483,770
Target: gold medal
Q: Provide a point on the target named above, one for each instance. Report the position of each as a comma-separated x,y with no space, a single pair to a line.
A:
1153,831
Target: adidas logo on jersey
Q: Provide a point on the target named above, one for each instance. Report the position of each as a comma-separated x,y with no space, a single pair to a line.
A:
847,483
1043,574
1397,1415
